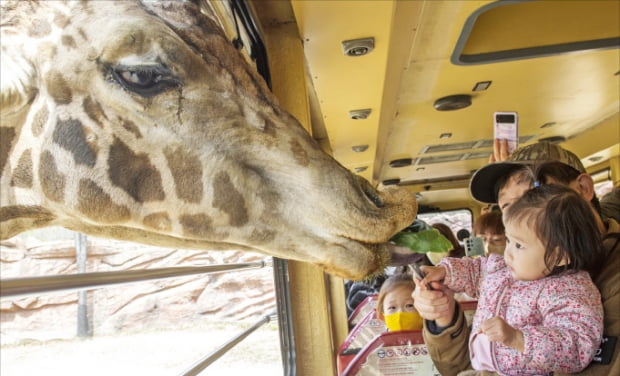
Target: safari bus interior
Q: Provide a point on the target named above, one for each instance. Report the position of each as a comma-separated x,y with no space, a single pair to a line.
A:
405,93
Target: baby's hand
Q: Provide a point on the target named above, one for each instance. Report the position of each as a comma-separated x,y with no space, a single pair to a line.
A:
498,330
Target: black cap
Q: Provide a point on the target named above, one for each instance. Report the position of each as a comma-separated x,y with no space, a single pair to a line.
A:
482,184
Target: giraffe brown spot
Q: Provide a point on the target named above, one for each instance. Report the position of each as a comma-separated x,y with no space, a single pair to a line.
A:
300,154
69,134
39,28
197,225
262,236
58,88
158,221
94,111
22,211
7,135
134,173
83,34
39,120
47,51
94,203
68,41
52,181
61,20
228,199
187,174
22,174
131,127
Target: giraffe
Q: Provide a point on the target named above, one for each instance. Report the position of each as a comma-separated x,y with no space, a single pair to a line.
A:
139,121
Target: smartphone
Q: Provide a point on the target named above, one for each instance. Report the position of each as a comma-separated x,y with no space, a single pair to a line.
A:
474,246
418,274
505,127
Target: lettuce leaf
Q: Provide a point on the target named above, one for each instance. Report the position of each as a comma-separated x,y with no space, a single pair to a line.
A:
422,238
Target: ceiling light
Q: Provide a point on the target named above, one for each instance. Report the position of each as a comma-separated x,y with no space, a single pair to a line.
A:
359,148
359,114
391,181
358,47
548,124
401,162
445,135
452,102
360,169
482,85
595,158
420,169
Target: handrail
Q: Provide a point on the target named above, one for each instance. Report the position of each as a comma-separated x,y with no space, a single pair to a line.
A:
16,287
203,363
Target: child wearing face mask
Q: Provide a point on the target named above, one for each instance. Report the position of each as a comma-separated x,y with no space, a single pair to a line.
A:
395,304
538,310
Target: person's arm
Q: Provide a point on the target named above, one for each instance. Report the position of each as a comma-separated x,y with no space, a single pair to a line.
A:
445,329
449,346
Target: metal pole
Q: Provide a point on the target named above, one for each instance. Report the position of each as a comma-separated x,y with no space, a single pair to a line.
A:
37,285
81,255
203,363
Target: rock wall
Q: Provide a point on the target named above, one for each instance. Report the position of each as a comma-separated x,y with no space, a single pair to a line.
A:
165,303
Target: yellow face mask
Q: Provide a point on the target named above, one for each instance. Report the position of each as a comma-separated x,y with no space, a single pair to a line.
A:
403,321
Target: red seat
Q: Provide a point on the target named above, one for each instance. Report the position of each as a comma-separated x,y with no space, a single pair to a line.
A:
364,331
393,354
367,305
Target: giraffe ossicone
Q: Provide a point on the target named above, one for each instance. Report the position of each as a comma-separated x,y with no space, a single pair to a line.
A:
140,121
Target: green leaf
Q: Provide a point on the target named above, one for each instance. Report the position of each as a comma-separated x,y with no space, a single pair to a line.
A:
423,241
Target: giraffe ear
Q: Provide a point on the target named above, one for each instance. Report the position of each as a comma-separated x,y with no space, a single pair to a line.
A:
17,82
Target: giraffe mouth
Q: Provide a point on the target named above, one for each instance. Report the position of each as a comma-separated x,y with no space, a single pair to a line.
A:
371,193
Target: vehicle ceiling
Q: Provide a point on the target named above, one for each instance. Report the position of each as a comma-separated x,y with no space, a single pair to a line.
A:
574,94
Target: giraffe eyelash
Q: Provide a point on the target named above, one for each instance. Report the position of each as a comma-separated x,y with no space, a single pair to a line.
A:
146,81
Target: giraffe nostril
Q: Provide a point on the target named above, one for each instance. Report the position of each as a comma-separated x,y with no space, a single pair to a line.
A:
370,193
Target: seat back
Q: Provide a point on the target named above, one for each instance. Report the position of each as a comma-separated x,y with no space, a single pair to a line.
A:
392,354
364,331
367,305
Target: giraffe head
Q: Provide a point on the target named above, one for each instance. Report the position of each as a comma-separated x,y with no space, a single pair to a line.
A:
140,121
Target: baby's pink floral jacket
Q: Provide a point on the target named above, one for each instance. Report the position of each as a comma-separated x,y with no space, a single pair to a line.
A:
561,316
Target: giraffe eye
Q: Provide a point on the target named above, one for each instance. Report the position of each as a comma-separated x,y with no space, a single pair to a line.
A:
146,81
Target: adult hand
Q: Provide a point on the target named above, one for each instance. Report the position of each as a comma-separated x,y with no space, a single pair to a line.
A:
500,151
498,330
437,304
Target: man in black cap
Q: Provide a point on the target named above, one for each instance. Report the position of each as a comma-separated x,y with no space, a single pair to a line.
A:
445,331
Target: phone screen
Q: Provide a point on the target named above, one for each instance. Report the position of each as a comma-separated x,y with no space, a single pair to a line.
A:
506,128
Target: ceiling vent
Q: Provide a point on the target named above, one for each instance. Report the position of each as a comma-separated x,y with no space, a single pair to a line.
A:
478,144
449,147
440,159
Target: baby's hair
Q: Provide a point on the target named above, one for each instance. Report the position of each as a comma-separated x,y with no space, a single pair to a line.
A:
394,281
566,225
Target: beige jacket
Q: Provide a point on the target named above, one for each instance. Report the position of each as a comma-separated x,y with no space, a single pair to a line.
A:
449,349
